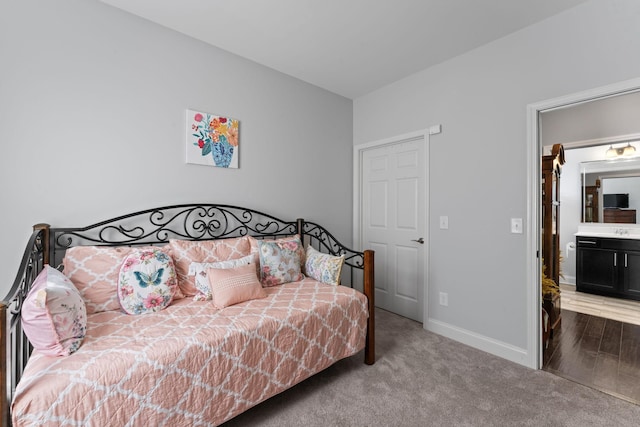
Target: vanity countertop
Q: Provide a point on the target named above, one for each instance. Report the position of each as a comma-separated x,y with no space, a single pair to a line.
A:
608,235
609,231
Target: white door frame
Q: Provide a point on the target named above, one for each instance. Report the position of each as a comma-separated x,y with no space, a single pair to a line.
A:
358,152
534,154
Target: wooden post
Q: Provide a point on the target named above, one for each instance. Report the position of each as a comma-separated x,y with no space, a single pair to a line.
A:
369,291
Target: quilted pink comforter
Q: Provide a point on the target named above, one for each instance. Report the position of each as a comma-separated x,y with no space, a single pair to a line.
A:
192,364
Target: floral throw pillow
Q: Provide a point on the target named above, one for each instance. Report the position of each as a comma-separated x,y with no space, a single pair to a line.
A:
147,282
199,269
54,316
324,268
280,260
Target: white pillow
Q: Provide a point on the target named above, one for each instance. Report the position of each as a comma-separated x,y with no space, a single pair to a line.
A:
199,269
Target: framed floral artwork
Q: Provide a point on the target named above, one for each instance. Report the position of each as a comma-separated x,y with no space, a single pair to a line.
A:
212,140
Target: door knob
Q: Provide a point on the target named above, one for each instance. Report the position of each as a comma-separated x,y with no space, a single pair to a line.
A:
420,240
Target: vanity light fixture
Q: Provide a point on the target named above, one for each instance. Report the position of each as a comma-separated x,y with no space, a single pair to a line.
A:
629,150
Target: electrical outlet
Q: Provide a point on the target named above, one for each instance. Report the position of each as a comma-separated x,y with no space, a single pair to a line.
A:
444,299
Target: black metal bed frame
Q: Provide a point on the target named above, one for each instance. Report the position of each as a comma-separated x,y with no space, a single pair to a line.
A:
157,226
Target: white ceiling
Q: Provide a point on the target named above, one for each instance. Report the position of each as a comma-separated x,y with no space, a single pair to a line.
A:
349,47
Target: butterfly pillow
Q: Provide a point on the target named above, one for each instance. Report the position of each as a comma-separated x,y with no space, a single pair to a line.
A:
147,282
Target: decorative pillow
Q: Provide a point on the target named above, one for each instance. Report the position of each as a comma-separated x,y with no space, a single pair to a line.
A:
199,270
324,268
147,282
234,285
54,316
94,271
185,252
280,260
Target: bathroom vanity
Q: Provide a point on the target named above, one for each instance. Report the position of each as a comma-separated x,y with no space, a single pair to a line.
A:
608,262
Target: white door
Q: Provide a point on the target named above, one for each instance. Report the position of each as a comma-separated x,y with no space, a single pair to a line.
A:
393,223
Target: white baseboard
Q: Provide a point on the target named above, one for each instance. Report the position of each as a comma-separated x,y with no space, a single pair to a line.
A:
569,280
481,342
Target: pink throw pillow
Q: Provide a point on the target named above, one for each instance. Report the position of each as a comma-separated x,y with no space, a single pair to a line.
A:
234,285
184,252
94,271
54,317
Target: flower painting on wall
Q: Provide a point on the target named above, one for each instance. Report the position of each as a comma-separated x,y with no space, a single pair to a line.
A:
212,140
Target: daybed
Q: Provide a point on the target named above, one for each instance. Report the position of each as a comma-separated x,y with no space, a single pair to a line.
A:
189,362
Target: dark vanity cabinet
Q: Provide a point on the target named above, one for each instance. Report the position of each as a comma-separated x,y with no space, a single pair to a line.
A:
608,266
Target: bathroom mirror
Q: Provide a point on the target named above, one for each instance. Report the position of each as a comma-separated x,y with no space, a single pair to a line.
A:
611,191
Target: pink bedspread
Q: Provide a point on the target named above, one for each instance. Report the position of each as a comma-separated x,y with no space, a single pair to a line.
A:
192,364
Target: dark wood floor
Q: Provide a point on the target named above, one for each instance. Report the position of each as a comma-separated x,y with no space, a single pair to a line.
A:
600,353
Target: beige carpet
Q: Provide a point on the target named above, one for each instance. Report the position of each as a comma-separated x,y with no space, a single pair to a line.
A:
423,379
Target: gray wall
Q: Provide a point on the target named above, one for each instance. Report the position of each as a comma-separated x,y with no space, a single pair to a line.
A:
478,165
604,118
92,125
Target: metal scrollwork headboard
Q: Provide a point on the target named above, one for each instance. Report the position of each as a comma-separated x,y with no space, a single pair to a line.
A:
157,226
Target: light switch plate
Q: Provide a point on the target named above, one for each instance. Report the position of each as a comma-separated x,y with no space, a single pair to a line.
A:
444,222
516,225
444,299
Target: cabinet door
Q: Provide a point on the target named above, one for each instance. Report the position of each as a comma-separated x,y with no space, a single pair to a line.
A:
631,263
596,270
